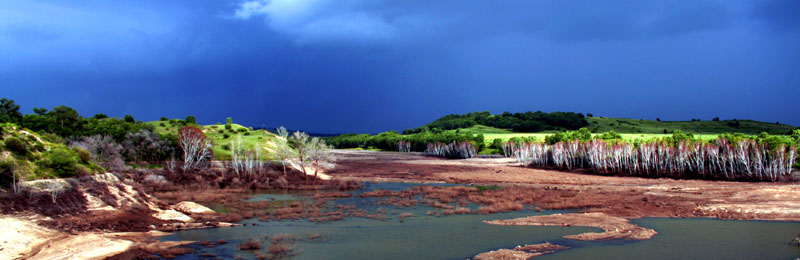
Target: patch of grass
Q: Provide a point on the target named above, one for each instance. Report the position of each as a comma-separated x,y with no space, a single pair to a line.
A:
485,188
633,126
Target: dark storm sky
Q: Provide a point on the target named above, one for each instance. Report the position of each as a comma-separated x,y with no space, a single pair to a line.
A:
375,65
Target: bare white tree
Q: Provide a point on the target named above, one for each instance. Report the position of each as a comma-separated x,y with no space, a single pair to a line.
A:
196,146
301,145
283,151
320,155
54,188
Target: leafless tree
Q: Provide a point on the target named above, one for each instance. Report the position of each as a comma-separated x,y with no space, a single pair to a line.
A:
300,141
320,155
103,150
196,147
245,162
283,151
12,167
53,187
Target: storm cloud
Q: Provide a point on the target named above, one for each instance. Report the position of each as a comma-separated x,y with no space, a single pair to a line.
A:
369,66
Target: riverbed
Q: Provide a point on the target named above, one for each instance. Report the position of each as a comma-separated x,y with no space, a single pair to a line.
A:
411,233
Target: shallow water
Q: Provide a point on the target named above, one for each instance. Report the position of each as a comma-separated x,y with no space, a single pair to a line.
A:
463,236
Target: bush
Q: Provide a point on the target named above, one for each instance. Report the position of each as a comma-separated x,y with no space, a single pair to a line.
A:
103,150
163,118
162,125
246,133
221,131
83,154
225,136
16,145
610,135
63,161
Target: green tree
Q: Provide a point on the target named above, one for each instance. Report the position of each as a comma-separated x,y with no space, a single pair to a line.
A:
9,111
191,120
129,119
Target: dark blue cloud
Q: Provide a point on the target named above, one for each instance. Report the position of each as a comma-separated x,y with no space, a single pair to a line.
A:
369,66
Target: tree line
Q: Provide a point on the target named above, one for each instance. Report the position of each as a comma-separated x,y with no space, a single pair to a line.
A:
388,141
518,122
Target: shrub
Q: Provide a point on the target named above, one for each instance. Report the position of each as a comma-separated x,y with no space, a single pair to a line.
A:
83,154
610,135
225,136
53,138
62,161
82,171
228,123
162,125
163,118
103,150
146,145
247,133
16,145
251,244
221,131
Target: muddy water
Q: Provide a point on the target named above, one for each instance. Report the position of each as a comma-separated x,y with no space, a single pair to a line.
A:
463,236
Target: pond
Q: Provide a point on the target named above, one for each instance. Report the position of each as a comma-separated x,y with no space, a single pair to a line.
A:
464,236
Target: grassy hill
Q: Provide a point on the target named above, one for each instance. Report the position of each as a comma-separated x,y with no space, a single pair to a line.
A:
631,126
251,139
30,156
634,129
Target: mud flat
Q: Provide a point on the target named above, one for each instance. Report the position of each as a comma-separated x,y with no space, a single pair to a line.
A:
613,227
627,197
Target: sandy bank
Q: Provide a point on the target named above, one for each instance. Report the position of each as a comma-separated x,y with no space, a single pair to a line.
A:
613,227
521,252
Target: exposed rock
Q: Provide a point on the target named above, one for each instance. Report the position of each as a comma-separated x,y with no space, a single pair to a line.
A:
189,207
171,214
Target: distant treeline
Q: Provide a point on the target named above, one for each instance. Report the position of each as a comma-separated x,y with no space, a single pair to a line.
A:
518,122
388,141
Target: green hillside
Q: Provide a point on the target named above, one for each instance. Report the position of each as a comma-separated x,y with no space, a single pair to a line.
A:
26,155
624,125
222,137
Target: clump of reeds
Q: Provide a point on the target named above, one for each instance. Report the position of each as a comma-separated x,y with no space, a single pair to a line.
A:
454,150
251,244
741,160
281,246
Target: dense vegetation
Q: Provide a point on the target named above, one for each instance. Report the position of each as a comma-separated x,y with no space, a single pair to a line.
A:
519,122
388,141
26,154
